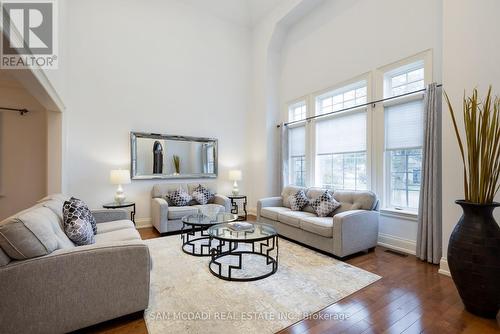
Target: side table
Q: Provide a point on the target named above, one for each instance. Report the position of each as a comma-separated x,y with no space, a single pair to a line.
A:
235,208
115,205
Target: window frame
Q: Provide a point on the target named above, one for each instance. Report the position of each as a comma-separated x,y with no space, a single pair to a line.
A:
383,170
342,87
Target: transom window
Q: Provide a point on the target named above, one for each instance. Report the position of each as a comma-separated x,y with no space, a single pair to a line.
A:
406,79
297,111
349,96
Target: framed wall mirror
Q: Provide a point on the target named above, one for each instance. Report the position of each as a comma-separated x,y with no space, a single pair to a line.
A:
157,156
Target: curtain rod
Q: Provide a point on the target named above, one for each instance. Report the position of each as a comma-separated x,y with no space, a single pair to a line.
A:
21,111
357,106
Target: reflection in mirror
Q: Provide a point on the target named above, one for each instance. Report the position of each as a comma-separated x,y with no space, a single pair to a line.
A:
163,156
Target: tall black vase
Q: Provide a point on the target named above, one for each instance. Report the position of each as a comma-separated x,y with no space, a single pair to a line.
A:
474,258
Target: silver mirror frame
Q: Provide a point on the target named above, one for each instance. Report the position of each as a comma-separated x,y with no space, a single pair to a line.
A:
133,156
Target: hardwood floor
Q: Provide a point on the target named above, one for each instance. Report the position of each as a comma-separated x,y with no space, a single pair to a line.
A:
410,298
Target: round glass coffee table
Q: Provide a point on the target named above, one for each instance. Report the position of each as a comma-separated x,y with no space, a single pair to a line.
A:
195,240
250,256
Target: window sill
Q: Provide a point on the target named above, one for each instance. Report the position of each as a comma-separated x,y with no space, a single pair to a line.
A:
405,214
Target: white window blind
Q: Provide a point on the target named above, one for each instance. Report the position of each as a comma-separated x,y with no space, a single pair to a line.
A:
404,125
297,141
341,134
297,153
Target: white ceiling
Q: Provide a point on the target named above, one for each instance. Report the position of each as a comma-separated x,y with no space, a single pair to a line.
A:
244,12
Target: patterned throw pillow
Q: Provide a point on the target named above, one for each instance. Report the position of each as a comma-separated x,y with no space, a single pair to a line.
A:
77,225
325,204
202,195
298,201
179,197
90,216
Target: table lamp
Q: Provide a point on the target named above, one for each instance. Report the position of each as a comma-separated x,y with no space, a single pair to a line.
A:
235,175
119,177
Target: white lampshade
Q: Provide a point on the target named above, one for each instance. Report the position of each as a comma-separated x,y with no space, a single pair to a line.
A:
235,175
119,176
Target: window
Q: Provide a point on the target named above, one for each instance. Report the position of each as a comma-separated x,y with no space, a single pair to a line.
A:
349,96
297,155
297,111
405,79
354,146
403,147
341,151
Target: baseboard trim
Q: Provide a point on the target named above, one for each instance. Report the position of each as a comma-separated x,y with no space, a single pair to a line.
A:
396,243
143,223
444,269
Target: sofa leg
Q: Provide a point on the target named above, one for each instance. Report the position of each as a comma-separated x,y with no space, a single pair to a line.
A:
370,250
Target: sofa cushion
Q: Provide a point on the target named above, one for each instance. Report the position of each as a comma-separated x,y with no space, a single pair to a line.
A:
114,226
161,190
209,207
271,212
56,205
4,258
118,235
318,225
57,196
293,218
177,212
31,233
355,200
289,191
77,222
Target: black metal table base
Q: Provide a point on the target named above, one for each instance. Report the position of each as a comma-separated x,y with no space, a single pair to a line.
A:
264,249
195,237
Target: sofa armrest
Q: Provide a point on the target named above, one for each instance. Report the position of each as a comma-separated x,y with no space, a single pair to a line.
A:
159,213
267,202
74,288
224,201
109,215
355,231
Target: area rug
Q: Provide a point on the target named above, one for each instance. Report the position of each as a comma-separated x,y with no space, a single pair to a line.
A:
186,298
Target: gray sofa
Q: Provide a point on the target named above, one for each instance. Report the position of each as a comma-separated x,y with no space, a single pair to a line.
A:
352,228
49,285
167,218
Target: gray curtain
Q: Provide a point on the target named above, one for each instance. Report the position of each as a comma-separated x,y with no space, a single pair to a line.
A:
283,155
429,246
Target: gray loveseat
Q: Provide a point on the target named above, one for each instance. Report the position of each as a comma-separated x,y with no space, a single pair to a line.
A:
167,218
49,285
352,228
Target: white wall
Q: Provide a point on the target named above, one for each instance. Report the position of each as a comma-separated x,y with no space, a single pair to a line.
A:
23,150
470,59
343,39
160,67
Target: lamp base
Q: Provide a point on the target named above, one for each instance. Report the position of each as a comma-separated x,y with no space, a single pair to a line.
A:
235,191
119,195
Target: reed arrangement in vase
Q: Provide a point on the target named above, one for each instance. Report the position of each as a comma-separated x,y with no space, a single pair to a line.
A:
481,152
475,241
